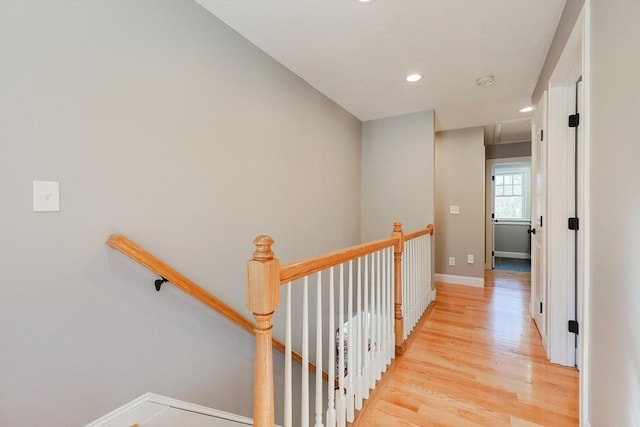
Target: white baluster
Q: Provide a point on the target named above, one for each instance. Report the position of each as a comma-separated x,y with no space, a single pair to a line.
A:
418,282
414,286
319,350
331,350
372,326
421,274
432,291
414,281
423,277
351,372
383,318
288,396
425,280
357,340
416,264
366,335
340,403
406,264
383,310
379,358
304,415
416,314
392,336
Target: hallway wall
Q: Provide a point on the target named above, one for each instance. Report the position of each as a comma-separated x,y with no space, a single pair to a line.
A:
614,351
460,181
397,173
163,124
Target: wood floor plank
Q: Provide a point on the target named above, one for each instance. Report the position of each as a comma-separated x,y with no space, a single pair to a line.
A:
477,360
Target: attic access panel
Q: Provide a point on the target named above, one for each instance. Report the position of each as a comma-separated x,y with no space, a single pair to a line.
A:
513,130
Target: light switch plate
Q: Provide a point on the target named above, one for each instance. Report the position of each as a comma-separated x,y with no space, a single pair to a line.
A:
46,196
454,210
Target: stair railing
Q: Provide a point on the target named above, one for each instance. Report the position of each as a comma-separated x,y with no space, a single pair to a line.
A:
417,282
370,288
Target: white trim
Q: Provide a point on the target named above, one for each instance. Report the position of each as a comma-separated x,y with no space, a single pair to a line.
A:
477,282
163,402
488,238
517,255
560,274
585,324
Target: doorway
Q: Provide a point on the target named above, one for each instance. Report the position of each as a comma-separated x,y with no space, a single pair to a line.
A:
509,214
511,217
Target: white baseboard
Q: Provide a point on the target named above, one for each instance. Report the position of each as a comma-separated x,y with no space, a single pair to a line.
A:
152,405
517,255
477,282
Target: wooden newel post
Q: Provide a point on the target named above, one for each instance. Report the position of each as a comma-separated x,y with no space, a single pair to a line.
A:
397,279
263,297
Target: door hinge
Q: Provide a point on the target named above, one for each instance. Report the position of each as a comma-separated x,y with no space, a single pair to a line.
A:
493,253
541,134
574,120
540,307
493,177
573,326
540,220
574,223
493,216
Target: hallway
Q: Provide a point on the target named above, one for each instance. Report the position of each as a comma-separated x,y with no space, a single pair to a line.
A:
477,360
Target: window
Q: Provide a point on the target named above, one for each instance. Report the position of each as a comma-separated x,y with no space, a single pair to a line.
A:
510,195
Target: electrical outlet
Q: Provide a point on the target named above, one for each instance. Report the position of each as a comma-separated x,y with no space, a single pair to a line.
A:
470,259
452,261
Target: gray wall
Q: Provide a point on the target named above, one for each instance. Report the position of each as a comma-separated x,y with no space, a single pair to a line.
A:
397,173
614,350
568,20
512,237
460,176
162,124
504,151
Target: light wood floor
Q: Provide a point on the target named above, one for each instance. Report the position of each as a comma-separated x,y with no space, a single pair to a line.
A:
477,360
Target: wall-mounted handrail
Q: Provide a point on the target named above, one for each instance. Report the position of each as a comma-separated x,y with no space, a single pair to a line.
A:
146,259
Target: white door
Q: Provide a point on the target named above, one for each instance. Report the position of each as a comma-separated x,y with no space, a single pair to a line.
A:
538,207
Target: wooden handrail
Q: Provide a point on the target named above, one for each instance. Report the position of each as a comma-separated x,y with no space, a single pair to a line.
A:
416,234
144,258
138,254
298,269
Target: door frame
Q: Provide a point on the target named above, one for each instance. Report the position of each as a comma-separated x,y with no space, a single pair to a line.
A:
489,238
539,128
572,63
560,165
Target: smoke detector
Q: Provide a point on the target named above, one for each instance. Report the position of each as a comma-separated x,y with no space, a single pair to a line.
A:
485,81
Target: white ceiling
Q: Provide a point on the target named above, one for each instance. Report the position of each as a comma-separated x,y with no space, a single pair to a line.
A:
358,54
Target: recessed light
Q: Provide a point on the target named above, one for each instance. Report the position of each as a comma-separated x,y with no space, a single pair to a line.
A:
364,1
412,78
526,109
485,81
